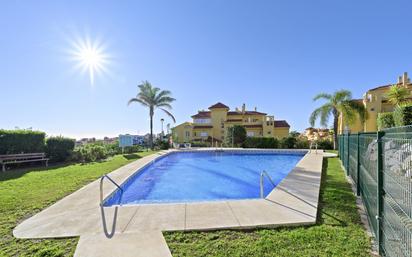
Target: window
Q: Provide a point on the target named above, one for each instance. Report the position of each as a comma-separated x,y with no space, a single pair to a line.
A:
203,134
187,134
202,121
268,132
250,133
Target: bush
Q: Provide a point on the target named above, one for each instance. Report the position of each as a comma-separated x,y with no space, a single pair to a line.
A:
59,149
21,141
236,134
261,142
302,143
385,120
200,144
325,144
131,149
402,115
89,153
288,142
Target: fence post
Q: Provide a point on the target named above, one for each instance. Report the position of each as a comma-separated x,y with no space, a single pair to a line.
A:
379,176
347,156
358,166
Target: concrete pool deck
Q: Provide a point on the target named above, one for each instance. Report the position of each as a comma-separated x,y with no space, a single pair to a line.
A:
136,230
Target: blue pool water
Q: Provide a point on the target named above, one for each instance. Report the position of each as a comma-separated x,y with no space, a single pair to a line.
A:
204,176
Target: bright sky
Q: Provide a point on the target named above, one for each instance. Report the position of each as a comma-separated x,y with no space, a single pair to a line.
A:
275,55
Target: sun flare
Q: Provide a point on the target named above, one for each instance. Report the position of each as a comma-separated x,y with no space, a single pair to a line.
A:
90,57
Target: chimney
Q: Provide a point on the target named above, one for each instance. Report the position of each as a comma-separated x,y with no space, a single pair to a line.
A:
399,79
255,109
405,79
243,108
237,109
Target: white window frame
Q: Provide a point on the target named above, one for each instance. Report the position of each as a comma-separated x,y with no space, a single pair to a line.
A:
250,133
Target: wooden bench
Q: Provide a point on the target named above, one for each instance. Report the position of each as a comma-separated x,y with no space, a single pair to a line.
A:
21,158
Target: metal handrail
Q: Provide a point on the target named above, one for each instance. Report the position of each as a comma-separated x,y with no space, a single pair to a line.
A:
101,187
264,173
311,146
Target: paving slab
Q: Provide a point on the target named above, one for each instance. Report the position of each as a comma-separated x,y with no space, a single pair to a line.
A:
158,217
210,215
147,244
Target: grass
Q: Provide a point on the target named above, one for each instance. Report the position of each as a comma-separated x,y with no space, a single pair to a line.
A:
26,192
338,232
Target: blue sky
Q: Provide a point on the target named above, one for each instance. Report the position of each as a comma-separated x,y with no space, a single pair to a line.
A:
275,55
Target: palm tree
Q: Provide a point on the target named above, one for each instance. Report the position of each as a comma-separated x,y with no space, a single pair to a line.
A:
338,103
153,97
398,94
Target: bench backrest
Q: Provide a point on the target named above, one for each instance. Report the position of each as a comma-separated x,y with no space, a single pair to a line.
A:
22,156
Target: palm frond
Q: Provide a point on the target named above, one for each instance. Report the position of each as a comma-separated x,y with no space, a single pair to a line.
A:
314,116
169,114
326,110
137,100
342,95
166,105
322,96
397,94
165,99
359,109
162,94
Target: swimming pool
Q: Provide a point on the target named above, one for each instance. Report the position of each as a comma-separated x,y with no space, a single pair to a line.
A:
204,176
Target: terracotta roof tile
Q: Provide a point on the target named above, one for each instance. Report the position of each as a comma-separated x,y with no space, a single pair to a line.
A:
219,105
202,114
281,124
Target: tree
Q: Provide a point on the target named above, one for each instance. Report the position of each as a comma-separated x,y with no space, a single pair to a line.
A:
153,98
338,103
236,135
398,95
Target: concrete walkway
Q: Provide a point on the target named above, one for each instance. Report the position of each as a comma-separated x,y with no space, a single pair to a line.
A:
135,230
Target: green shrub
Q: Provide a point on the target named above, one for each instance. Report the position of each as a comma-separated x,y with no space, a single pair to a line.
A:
59,149
288,142
385,120
132,149
21,141
261,142
302,143
236,135
325,144
89,153
200,144
402,115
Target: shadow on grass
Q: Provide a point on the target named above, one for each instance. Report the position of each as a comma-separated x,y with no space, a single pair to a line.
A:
132,156
19,172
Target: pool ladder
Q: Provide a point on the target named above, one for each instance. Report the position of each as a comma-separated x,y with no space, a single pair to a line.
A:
262,175
101,187
313,145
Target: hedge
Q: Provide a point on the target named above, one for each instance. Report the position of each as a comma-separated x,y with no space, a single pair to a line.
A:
385,120
21,141
59,149
402,115
261,142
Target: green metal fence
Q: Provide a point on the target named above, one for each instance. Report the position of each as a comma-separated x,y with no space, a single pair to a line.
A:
380,164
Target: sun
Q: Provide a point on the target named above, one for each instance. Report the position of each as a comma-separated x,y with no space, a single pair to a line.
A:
90,57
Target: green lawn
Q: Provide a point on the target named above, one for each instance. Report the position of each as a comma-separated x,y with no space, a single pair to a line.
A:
338,232
25,192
